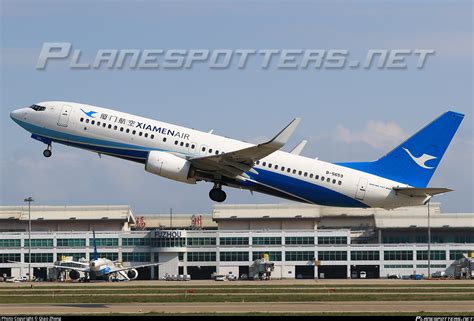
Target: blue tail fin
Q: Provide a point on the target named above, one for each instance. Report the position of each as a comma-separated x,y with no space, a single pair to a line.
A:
415,160
96,255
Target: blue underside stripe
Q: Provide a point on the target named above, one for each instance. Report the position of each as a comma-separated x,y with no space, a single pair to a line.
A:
306,191
311,192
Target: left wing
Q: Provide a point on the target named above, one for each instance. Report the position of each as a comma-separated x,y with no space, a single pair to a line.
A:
234,164
133,267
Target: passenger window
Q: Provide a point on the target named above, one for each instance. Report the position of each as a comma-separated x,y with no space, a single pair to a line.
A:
288,170
322,178
305,174
98,123
115,127
210,150
93,122
87,121
276,166
217,152
134,132
300,172
104,124
334,181
176,142
140,133
181,144
339,182
164,139
328,180
264,164
192,146
283,168
152,136
269,165
258,162
146,134
316,177
121,129
110,126
127,131
187,144
82,119
311,175
204,149
294,171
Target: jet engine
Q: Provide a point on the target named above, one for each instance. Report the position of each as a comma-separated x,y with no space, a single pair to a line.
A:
170,166
74,275
132,274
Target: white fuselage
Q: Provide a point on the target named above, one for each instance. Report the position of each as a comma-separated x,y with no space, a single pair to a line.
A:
123,135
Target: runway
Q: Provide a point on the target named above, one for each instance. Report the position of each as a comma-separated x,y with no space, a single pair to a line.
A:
455,307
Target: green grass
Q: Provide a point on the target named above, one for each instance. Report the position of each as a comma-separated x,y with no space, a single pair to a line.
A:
198,290
298,297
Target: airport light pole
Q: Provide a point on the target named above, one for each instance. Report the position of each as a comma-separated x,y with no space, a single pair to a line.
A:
29,200
429,242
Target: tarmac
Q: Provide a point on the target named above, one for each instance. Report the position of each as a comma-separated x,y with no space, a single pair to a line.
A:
455,307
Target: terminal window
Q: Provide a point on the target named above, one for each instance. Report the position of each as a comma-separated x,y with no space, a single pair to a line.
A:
234,241
332,240
266,240
299,240
365,255
434,255
39,243
398,255
234,256
332,255
299,256
10,243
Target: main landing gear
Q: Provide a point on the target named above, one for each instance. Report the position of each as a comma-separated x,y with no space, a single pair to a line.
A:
47,152
217,194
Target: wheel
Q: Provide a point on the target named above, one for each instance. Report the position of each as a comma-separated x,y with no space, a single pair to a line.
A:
217,195
47,153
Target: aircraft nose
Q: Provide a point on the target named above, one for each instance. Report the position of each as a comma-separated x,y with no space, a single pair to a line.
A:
15,114
19,114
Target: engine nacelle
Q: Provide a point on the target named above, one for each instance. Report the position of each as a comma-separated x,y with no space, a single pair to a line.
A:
170,166
74,275
132,274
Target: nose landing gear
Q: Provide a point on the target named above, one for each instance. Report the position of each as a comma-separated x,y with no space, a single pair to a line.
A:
47,152
217,194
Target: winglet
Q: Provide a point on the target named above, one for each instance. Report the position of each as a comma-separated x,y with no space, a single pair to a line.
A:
299,148
283,136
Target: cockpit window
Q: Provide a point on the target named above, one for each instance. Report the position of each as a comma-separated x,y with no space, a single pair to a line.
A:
37,108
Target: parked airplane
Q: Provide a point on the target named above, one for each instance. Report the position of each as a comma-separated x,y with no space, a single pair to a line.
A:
100,268
399,178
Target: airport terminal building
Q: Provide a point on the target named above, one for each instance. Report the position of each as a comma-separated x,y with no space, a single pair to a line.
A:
303,241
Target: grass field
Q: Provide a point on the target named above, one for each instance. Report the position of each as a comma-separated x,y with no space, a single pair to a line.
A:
189,292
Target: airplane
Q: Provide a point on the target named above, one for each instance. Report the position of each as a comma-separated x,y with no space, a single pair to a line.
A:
100,268
399,178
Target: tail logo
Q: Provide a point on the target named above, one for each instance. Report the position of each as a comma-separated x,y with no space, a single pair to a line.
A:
420,161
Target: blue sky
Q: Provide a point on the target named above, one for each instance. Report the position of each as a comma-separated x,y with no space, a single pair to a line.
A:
348,115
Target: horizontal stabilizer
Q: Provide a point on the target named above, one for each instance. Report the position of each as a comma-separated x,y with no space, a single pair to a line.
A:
299,148
421,192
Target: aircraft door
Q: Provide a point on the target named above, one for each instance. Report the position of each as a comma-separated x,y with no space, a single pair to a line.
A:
64,116
361,189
